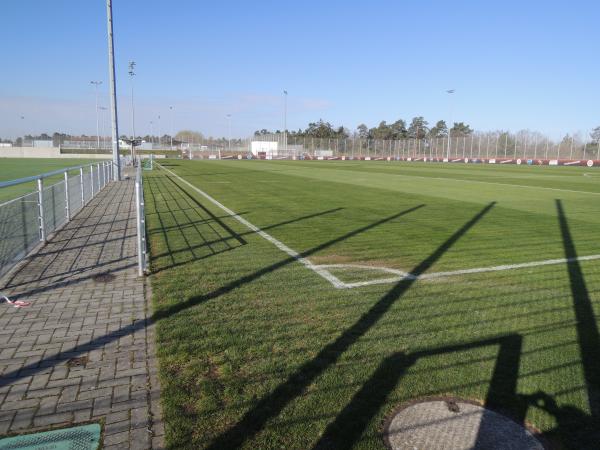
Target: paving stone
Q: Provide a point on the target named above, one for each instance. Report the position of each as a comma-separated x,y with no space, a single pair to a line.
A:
117,438
117,416
141,439
73,406
23,419
117,427
5,426
52,419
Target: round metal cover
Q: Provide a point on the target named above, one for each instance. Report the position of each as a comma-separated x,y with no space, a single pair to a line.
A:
455,424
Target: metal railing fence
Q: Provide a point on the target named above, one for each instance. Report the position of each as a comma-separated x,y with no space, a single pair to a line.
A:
522,145
28,220
141,221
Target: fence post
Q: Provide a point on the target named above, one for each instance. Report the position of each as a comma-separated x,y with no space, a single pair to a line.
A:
99,182
139,223
67,205
81,182
40,184
92,180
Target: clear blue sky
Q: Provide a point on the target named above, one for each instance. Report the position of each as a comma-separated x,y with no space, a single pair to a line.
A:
514,64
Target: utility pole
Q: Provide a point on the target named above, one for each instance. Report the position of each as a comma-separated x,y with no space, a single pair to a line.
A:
285,94
102,108
171,112
229,130
96,84
450,91
113,92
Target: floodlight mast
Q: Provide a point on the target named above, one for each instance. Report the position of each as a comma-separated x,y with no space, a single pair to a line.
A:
96,84
131,75
113,93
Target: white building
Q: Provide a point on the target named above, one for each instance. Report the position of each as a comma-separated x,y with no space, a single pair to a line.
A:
264,148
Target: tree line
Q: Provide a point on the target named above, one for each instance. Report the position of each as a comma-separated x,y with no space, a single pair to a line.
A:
417,129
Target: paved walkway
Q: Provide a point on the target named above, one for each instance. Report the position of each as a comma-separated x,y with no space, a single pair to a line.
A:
84,349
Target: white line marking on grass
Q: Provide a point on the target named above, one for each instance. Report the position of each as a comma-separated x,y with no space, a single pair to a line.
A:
400,275
280,245
498,184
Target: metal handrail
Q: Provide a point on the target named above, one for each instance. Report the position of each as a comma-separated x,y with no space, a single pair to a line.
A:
100,174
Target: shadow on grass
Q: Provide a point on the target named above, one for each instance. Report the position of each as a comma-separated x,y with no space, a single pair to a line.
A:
189,239
212,240
271,405
271,268
352,421
575,427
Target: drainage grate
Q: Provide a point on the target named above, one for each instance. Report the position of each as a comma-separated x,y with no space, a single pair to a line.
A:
105,277
86,437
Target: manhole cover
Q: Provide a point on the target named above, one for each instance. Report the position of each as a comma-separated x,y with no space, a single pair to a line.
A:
455,424
85,437
104,277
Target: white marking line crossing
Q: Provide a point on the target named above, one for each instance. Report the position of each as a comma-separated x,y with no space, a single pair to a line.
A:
321,269
428,276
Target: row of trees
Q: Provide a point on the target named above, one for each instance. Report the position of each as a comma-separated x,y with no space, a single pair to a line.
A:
417,129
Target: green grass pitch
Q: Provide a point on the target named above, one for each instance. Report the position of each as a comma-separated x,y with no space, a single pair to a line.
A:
13,168
259,351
